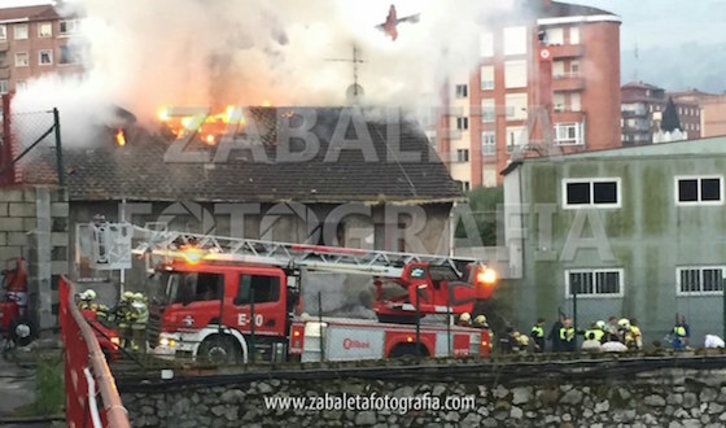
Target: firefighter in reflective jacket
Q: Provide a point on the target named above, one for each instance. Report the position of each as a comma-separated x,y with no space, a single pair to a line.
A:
538,335
140,310
124,317
88,303
597,330
567,336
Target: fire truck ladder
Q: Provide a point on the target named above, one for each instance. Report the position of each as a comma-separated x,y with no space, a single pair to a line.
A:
199,247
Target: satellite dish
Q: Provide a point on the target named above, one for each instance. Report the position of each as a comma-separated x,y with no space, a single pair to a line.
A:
354,93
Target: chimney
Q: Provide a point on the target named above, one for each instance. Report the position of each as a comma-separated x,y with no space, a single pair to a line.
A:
547,3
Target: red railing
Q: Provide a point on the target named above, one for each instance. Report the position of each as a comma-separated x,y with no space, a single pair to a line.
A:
92,399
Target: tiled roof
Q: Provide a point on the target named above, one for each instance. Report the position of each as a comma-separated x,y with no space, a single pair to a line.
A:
137,171
31,13
560,9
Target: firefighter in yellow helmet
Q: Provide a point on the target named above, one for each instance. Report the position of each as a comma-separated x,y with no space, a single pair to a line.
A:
138,324
124,317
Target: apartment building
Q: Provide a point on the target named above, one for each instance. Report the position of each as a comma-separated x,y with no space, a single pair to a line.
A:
35,40
642,110
492,112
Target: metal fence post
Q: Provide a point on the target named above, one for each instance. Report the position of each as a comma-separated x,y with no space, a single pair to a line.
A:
320,324
58,148
253,348
418,322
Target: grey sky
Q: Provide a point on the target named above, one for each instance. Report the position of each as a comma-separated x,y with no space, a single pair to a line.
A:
657,22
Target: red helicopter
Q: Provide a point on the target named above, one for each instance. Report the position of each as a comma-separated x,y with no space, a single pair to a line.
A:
389,27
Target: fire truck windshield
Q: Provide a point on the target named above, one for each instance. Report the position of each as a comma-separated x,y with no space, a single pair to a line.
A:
186,287
443,273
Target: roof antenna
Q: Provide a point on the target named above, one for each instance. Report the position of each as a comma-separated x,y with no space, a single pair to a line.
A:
355,91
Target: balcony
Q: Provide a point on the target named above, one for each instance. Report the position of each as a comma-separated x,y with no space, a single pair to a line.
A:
568,82
567,51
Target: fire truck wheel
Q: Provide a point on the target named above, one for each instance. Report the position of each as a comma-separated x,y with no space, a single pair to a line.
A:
22,331
407,350
219,349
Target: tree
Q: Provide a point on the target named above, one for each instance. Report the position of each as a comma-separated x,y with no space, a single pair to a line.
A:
670,121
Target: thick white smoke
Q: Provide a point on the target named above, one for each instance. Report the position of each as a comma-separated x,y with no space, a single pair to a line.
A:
142,55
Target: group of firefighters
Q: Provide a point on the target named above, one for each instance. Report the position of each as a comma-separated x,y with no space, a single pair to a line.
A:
616,335
130,316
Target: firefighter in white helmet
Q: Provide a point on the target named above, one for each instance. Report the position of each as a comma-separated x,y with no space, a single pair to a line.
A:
124,315
465,319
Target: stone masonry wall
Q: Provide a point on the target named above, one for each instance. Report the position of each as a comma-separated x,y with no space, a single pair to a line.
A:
663,397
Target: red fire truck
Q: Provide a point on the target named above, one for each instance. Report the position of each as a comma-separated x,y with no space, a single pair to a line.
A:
219,298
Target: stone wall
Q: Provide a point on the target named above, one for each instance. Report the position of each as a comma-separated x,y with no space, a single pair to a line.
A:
512,397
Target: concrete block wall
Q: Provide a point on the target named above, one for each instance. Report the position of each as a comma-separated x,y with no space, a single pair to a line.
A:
34,223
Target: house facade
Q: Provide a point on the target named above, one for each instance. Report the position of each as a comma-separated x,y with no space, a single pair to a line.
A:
635,232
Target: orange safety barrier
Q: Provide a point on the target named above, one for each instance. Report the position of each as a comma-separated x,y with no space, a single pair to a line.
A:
92,399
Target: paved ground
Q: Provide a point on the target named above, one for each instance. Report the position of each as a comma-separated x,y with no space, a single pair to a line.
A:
17,389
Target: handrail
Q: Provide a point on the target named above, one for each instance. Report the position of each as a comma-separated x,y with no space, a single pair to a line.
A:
114,413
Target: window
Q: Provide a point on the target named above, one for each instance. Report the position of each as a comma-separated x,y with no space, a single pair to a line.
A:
515,41
594,282
575,68
465,186
45,57
574,35
558,102
558,69
487,77
462,123
21,84
569,134
488,111
488,143
265,288
69,26
45,30
21,59
486,45
555,36
575,102
462,91
4,87
20,31
591,193
68,55
699,190
697,280
462,155
187,287
3,32
515,74
517,136
516,106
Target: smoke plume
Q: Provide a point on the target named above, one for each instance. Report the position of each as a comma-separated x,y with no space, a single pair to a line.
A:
142,55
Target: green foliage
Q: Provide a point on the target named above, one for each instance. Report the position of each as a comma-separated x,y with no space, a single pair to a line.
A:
483,203
49,387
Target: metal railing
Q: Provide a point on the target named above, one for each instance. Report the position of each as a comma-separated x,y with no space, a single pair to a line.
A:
91,395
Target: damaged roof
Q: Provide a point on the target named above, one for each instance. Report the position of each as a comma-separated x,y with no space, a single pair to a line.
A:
139,170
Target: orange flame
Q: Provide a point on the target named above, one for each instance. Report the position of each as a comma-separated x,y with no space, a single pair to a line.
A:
120,137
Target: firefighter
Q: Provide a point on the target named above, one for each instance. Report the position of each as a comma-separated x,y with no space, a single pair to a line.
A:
85,299
637,335
124,317
465,319
597,331
138,324
538,335
624,331
567,336
481,322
